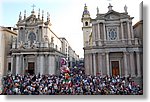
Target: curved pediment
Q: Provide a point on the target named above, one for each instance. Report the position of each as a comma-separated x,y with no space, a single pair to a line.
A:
31,20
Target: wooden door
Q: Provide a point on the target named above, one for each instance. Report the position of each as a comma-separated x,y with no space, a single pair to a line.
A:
31,68
115,68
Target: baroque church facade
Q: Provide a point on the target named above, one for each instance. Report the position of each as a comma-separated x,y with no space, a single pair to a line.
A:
37,49
110,45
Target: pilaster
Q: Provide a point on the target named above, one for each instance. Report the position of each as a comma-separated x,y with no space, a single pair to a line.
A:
125,64
107,63
138,64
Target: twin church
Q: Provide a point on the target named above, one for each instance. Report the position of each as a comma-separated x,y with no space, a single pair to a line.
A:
37,49
112,46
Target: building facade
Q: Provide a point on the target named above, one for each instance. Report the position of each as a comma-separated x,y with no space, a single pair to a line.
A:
71,56
110,44
6,36
37,49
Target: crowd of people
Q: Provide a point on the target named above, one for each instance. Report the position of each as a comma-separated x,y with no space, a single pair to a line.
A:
77,83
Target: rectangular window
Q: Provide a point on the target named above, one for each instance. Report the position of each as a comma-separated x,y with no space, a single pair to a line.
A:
112,33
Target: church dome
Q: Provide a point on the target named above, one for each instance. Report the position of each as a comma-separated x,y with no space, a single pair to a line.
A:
86,12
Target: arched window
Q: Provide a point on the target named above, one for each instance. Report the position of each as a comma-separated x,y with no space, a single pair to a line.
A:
86,23
32,37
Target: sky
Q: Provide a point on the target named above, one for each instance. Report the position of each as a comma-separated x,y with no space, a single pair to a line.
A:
65,15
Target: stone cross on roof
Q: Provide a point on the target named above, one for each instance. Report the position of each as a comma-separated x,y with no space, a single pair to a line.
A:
33,9
33,6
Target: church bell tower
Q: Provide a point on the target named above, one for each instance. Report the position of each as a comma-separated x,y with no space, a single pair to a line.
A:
86,20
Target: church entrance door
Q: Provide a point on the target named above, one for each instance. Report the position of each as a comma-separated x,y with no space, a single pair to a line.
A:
31,68
115,68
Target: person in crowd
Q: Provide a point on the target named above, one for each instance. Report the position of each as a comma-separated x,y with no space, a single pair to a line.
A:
77,84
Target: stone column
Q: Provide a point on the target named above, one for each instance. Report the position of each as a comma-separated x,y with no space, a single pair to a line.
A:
86,62
17,64
35,70
122,32
132,33
94,63
38,64
53,64
42,64
104,32
129,34
12,64
93,35
46,64
99,37
71,60
21,64
91,63
51,68
25,63
125,64
107,63
138,64
49,64
100,63
132,64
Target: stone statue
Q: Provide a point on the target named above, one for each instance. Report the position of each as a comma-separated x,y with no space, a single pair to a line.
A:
125,9
97,10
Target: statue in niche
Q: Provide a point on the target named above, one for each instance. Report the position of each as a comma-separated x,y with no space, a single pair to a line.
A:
14,40
29,43
21,45
34,45
45,38
32,20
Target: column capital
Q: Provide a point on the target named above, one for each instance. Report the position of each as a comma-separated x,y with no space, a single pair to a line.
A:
101,21
17,55
125,52
46,55
107,52
103,54
137,52
13,55
36,55
131,53
100,53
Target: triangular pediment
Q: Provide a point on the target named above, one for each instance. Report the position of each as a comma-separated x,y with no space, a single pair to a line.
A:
112,15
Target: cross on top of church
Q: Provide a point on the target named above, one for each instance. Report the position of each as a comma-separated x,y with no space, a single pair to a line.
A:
33,6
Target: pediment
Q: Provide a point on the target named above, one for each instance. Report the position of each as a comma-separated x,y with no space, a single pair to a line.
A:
31,19
112,15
